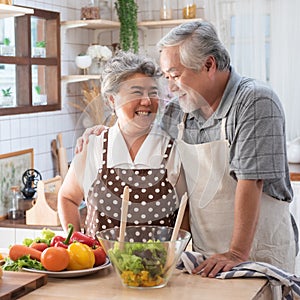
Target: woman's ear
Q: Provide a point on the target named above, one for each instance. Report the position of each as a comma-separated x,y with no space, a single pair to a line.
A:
111,101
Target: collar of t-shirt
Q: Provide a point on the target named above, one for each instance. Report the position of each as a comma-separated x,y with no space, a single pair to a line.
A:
149,155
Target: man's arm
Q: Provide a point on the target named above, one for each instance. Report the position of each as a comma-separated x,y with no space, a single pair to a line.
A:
246,213
84,139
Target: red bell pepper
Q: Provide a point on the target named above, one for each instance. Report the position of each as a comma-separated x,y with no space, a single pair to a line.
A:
84,239
59,241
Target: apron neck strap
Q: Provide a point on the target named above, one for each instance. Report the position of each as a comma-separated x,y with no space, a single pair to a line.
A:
181,126
223,130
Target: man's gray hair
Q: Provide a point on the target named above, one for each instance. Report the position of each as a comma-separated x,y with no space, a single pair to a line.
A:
197,40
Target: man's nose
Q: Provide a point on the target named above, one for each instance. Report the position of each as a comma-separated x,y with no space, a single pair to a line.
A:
173,87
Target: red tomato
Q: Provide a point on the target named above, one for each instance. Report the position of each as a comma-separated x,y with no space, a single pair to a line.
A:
100,256
55,259
39,246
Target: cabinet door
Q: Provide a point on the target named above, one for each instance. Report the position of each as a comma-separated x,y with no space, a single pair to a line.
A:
7,237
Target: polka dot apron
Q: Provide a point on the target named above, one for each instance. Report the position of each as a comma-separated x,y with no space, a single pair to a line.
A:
153,199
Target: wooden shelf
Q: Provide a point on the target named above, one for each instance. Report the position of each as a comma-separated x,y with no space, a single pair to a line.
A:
165,23
78,78
106,24
7,11
90,24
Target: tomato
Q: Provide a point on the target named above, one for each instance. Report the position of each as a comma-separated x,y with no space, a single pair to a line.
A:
55,259
39,246
100,256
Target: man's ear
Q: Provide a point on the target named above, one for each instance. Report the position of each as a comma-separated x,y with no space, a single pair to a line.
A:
209,63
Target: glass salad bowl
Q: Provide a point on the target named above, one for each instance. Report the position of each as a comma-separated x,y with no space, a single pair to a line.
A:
147,257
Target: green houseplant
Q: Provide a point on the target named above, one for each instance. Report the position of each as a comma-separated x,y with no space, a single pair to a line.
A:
6,49
39,99
40,49
6,97
127,13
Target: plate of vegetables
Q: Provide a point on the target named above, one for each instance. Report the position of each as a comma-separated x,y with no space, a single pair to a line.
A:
70,274
73,256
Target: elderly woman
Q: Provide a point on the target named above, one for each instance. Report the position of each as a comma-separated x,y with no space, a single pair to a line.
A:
133,152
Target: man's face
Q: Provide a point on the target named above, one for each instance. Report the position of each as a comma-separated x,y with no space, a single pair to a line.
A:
187,84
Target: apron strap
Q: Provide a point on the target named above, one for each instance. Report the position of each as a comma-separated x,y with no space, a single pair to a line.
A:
181,126
223,130
105,143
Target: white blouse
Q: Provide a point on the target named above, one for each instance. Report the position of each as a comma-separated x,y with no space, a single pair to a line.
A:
87,163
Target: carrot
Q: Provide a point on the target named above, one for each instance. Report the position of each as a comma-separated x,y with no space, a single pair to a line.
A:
17,251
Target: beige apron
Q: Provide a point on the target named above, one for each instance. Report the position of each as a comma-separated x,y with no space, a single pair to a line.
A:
211,195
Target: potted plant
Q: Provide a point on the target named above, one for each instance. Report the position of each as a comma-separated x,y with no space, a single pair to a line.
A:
6,48
40,99
127,13
83,61
6,97
40,49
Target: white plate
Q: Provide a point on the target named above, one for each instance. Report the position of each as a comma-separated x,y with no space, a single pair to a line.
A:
69,274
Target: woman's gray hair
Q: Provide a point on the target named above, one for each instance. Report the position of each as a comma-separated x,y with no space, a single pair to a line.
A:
122,66
197,40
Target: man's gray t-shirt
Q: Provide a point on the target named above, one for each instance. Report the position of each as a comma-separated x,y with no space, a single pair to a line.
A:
255,129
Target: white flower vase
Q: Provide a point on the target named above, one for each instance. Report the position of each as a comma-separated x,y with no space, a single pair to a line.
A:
83,62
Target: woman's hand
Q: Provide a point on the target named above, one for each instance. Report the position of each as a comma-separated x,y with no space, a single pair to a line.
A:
217,263
84,139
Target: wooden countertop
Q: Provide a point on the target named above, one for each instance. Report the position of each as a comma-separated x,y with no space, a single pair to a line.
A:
106,285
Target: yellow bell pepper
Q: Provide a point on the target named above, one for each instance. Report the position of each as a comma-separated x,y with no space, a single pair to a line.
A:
81,256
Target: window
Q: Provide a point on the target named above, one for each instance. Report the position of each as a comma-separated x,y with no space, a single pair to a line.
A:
30,63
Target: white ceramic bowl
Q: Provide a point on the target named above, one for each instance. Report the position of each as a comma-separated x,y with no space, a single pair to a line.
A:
147,258
83,61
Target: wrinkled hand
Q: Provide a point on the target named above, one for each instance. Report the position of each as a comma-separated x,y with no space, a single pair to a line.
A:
218,262
84,139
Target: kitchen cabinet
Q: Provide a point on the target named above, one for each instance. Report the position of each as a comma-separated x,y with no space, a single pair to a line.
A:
30,73
99,26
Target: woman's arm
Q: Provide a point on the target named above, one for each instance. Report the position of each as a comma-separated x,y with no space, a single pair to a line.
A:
70,196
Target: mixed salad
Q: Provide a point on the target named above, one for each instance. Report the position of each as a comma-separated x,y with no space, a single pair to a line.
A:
140,264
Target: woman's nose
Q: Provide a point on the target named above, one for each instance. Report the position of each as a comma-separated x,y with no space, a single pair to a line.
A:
145,100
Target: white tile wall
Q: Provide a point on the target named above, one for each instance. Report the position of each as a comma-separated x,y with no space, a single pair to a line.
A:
37,130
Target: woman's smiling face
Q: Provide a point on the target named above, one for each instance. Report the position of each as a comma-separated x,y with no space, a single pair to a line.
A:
136,103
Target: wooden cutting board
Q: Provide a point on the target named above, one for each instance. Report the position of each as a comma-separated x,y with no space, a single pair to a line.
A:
16,284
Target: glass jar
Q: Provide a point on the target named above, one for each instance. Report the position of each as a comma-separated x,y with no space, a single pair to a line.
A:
166,10
105,10
90,11
14,211
189,9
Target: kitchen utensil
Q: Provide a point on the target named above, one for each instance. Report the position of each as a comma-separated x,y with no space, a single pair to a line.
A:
62,157
141,262
171,249
30,178
124,212
54,153
44,210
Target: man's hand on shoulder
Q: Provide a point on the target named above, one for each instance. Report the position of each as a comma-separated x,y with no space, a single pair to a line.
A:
84,139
